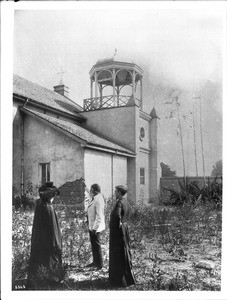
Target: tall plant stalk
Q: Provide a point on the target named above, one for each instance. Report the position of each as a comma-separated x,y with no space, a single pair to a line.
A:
181,138
201,134
174,101
194,133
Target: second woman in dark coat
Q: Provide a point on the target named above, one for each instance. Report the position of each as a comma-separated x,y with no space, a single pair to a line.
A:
120,262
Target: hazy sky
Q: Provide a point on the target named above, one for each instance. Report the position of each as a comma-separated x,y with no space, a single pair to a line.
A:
182,46
178,48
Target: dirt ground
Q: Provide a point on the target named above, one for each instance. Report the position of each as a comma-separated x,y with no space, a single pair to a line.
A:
159,268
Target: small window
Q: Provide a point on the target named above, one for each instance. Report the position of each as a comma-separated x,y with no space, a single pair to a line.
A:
142,133
142,176
45,172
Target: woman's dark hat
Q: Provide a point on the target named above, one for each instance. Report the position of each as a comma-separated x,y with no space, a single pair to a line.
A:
48,191
123,189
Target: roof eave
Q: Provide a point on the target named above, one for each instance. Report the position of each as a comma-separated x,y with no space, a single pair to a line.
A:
114,151
44,106
115,64
74,137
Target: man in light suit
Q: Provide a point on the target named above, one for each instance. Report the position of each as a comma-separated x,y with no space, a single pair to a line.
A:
96,222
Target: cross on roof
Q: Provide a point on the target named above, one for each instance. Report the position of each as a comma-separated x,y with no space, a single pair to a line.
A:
61,75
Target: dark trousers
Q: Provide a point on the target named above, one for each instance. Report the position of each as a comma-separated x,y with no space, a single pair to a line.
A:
96,248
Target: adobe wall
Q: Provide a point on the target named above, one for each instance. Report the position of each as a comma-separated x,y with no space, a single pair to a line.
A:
17,149
147,157
119,171
108,170
155,171
143,189
122,125
119,124
116,124
43,144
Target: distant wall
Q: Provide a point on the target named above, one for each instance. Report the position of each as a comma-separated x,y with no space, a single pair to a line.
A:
173,183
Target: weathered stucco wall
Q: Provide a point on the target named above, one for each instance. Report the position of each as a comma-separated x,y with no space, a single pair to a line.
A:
107,170
97,169
122,125
119,170
145,142
143,162
17,149
116,124
147,158
143,156
43,144
154,167
119,124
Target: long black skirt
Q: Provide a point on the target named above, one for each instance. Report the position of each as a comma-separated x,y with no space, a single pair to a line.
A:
45,263
120,261
45,268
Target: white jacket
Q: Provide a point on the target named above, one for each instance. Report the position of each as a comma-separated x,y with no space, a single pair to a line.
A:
96,217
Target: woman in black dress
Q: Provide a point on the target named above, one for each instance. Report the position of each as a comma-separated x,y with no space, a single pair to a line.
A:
120,262
45,263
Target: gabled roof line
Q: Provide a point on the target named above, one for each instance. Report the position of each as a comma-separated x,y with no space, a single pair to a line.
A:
49,90
83,142
43,95
50,108
74,103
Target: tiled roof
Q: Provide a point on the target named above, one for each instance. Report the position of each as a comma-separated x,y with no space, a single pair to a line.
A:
42,95
88,137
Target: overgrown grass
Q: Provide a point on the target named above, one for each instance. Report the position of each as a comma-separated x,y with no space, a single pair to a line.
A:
172,230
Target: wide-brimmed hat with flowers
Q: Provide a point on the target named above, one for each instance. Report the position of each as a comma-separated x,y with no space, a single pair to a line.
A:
48,191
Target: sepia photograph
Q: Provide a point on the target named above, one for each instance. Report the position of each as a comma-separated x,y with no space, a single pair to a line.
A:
112,140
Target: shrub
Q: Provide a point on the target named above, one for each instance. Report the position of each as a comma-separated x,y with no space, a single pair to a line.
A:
156,281
24,201
21,241
190,192
212,193
179,282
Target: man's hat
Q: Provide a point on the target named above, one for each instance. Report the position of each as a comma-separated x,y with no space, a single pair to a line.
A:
123,189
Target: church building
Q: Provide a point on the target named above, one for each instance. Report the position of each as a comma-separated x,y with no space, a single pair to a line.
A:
109,141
